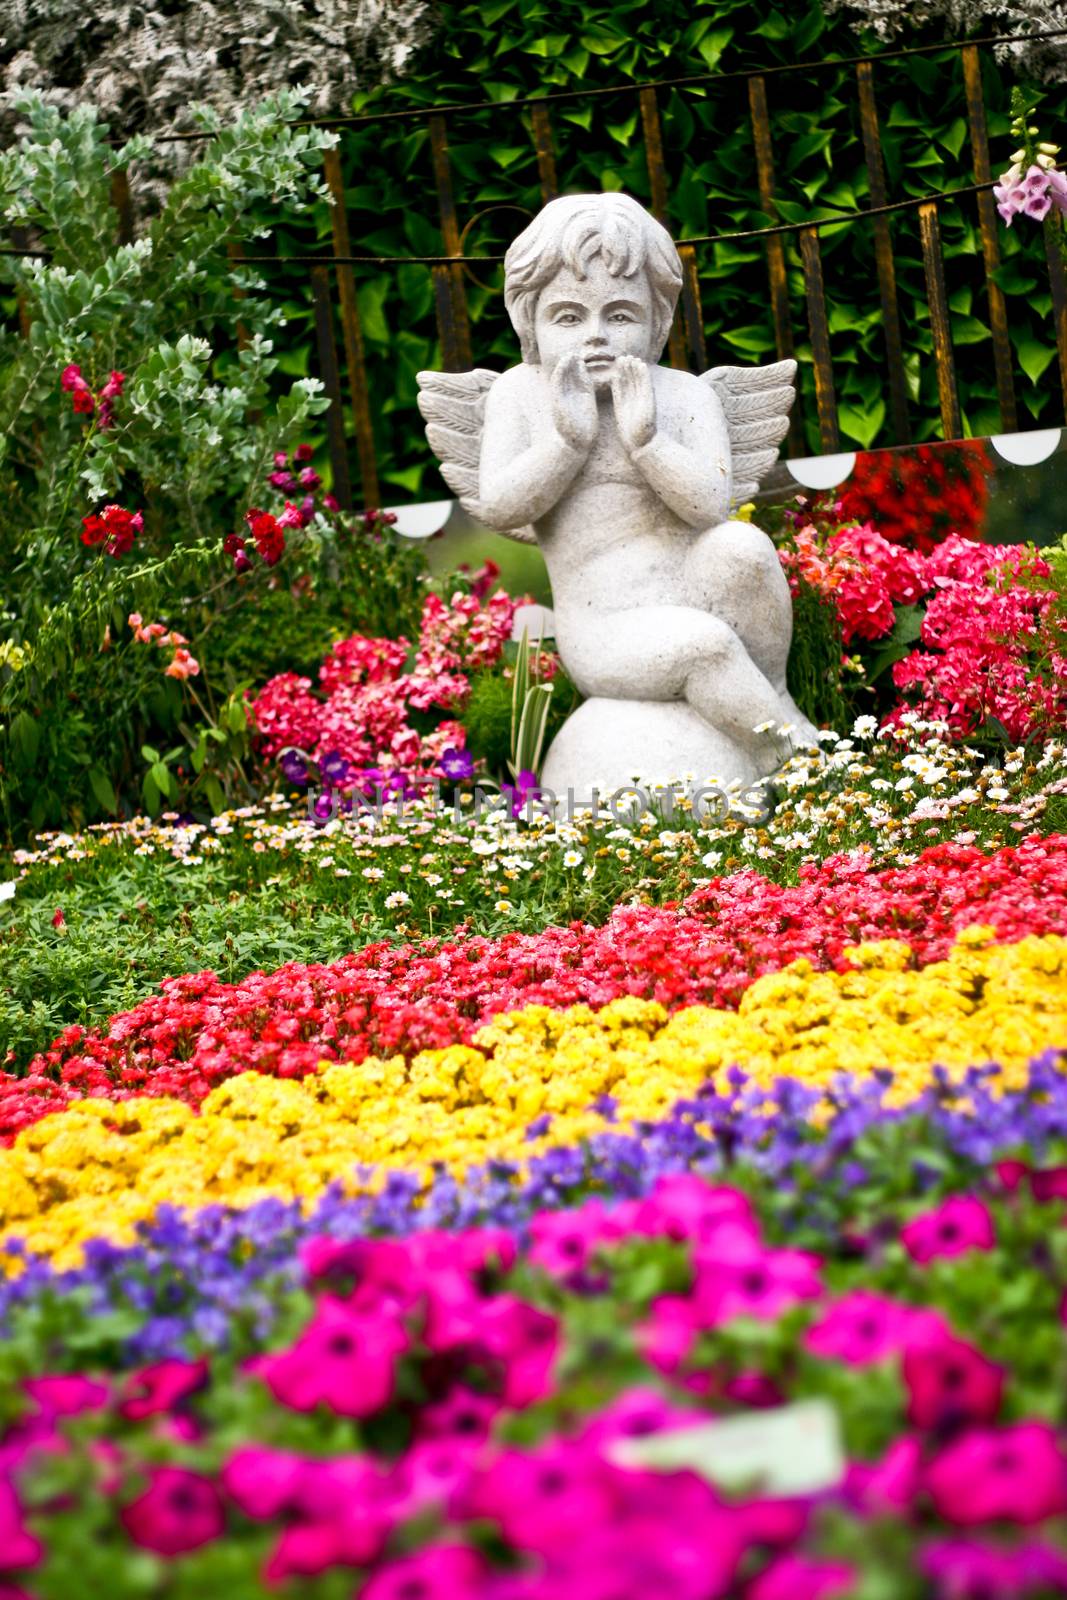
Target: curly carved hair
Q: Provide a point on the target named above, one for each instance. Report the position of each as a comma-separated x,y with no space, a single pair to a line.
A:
570,232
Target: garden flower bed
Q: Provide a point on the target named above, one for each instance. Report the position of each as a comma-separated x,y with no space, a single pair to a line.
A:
402,1199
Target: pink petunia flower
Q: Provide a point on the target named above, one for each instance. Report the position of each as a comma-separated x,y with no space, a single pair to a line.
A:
950,1382
179,1511
438,1572
343,1361
1017,1474
862,1328
18,1547
797,1577
957,1225
161,1387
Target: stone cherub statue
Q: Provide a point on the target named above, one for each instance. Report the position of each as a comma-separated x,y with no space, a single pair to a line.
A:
673,622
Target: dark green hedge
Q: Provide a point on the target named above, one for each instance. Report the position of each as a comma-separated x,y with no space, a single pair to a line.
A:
503,49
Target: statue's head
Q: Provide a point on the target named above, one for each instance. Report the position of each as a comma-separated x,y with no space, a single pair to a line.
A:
594,273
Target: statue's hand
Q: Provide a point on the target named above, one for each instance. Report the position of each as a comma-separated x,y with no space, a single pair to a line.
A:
574,404
635,403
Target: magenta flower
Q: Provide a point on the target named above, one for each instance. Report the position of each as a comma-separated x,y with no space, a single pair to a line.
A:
794,1577
564,1241
862,1328
737,1276
890,1484
18,1547
950,1229
669,1335
462,1415
634,1415
439,1572
683,1206
179,1511
523,1343
342,1360
546,1498
67,1396
262,1481
161,1387
1016,1474
972,1569
950,1382
333,1508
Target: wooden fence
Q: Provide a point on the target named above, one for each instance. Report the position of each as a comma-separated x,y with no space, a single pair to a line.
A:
686,347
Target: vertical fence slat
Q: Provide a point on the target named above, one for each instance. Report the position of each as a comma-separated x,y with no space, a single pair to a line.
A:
546,155
448,281
883,257
783,332
352,332
123,203
1057,277
811,256
657,178
331,378
940,327
987,222
693,310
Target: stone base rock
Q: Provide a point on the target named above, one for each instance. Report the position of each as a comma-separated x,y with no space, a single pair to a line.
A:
606,744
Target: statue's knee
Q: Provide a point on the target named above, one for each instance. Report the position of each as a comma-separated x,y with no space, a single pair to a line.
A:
745,546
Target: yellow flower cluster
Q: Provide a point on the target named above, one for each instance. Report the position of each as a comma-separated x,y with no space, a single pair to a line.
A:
99,1166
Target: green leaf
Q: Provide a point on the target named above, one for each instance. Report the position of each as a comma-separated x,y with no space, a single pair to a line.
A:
162,779
1035,357
214,791
101,786
151,794
758,340
863,426
953,136
149,754
25,737
712,45
237,717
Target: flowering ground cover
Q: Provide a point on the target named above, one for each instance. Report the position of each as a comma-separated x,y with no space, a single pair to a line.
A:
393,1400
267,885
390,1000
460,1289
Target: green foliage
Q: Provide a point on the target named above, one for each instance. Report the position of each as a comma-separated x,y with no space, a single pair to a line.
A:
814,674
190,442
487,719
517,48
356,586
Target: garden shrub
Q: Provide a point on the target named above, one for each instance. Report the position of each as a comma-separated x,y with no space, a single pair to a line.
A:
138,415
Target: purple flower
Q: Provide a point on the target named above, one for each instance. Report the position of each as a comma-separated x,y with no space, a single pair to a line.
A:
334,768
457,765
524,787
284,481
294,767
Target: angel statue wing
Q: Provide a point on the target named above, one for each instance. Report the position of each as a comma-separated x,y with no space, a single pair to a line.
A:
453,408
756,401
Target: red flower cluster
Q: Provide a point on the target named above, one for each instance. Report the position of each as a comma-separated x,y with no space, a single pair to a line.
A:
364,717
995,645
72,381
384,1000
918,497
267,533
112,527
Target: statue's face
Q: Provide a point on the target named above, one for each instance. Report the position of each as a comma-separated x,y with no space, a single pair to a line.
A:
599,316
